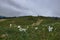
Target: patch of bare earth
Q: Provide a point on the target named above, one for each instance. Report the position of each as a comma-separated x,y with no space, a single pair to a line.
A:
4,36
2,20
38,22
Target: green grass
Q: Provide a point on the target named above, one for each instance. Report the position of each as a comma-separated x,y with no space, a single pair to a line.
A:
41,33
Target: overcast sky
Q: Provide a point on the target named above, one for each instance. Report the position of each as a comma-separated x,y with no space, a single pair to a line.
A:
30,7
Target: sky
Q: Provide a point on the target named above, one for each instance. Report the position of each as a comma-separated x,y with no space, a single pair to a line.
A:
11,8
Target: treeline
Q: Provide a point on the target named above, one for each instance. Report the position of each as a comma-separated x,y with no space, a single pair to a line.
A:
29,17
7,17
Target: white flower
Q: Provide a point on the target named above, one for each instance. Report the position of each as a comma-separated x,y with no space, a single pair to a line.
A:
36,28
19,27
10,25
50,28
22,29
27,26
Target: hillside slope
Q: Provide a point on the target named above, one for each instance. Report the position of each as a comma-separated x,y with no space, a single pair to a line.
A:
30,28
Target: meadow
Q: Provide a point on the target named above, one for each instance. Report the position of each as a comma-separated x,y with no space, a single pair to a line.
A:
35,28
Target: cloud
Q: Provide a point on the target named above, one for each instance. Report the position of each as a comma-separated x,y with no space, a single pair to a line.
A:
30,7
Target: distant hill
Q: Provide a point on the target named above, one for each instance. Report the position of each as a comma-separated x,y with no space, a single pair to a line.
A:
1,17
4,17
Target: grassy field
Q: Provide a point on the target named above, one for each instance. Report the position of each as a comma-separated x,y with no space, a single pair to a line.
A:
41,33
